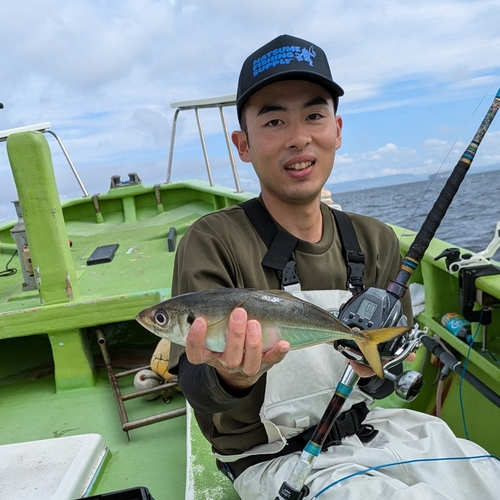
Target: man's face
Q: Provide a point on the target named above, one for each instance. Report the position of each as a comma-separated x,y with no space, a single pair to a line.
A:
292,136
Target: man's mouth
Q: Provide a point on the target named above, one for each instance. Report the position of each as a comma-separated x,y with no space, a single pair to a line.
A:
299,166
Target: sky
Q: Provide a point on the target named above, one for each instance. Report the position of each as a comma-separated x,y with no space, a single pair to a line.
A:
418,78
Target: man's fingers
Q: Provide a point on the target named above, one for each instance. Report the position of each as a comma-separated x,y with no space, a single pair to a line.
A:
411,358
242,358
365,371
195,342
361,369
235,345
277,353
252,356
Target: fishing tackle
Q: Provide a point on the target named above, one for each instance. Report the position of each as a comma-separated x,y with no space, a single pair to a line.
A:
455,262
469,267
407,384
384,306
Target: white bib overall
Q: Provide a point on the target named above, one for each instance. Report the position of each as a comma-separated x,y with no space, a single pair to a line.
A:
297,392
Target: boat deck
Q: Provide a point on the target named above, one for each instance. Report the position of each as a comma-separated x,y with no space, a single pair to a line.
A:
53,381
154,457
146,223
143,262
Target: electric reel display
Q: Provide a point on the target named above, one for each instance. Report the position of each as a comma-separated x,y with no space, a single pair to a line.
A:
372,309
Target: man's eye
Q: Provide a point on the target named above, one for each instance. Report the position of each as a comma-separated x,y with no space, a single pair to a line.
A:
273,123
315,116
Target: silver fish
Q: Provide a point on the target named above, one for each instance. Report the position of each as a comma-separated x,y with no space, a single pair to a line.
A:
281,315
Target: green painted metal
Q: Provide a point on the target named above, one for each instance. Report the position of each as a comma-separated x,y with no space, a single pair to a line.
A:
155,456
31,162
54,268
73,361
203,479
71,295
441,296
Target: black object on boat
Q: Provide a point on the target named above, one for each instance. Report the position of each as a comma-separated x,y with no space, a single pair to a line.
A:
139,493
453,364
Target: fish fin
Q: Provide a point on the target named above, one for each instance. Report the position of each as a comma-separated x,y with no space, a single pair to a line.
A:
372,356
368,345
218,322
225,318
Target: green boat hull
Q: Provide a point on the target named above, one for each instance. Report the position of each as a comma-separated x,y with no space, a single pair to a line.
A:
53,380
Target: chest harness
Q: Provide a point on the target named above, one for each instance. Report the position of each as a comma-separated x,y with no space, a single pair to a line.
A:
281,247
280,257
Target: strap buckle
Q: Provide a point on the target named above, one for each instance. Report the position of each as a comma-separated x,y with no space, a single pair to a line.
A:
226,470
366,433
350,423
288,276
355,271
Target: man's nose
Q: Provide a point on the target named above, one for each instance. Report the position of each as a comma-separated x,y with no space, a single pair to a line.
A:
299,136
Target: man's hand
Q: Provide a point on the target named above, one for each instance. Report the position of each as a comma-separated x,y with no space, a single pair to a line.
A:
242,362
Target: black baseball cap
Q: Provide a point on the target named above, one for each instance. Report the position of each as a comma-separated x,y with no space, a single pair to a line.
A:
285,58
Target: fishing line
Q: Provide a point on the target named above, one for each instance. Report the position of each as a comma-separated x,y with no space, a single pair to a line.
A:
406,227
404,462
9,271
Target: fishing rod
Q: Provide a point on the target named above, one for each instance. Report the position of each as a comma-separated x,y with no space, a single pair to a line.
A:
385,309
397,287
294,488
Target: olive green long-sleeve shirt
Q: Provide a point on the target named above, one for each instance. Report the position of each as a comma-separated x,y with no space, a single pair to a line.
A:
223,249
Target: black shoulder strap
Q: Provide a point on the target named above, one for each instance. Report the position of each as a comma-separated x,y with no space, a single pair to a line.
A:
354,257
280,244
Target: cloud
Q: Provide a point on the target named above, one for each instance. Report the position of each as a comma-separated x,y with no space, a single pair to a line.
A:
104,74
435,143
84,44
386,160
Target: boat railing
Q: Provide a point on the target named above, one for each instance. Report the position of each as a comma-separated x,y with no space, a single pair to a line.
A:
45,128
196,105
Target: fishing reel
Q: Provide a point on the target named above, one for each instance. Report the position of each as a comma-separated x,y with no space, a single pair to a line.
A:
372,309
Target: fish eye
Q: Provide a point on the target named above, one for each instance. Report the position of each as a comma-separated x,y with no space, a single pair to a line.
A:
161,318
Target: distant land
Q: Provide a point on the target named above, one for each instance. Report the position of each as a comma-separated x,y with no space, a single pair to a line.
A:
392,180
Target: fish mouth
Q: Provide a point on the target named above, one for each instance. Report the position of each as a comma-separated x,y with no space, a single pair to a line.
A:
141,321
301,165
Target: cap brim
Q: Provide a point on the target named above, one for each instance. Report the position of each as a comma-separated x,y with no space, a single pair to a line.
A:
330,85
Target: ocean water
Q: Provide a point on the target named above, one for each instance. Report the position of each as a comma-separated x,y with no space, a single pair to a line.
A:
469,222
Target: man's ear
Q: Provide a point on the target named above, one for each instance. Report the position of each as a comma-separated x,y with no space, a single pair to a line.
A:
339,132
240,140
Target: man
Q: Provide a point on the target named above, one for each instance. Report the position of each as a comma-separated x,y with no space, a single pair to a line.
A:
254,407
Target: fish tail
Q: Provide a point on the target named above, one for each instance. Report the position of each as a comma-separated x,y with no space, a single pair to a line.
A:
368,345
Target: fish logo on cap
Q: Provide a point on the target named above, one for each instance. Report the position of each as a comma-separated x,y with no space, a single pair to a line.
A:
283,55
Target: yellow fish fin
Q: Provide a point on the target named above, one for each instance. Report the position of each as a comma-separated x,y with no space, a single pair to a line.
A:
368,345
